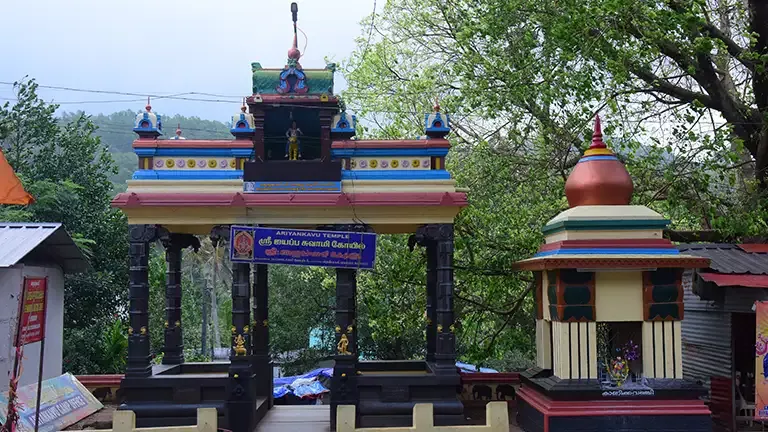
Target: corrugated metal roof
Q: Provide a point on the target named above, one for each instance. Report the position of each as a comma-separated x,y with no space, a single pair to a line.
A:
40,242
728,258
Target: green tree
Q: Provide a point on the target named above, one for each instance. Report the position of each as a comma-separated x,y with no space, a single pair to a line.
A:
68,169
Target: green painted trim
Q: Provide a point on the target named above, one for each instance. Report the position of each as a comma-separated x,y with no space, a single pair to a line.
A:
602,225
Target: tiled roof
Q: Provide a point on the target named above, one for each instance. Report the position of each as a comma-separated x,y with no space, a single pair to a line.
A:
729,258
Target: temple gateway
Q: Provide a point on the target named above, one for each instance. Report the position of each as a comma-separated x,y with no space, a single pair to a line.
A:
293,163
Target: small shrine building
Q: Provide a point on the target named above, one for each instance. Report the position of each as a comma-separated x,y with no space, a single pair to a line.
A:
609,307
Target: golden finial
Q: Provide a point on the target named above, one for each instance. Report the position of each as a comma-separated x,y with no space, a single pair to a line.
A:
439,328
349,329
130,330
245,329
265,322
166,324
234,329
177,323
338,329
143,330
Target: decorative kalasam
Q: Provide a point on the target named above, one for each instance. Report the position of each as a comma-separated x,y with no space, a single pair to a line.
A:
599,178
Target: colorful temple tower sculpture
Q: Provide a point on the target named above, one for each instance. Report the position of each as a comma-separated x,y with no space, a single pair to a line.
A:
185,188
609,306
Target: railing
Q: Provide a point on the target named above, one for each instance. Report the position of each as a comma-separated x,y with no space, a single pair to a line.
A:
496,420
125,421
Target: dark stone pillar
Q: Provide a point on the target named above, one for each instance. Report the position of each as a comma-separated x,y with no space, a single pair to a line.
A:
445,347
173,352
344,381
240,404
258,136
431,300
441,340
262,361
140,238
326,118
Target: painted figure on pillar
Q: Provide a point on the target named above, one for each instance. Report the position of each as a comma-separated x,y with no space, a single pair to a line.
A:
293,145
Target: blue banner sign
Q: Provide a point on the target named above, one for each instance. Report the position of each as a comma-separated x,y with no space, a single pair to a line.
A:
292,187
302,247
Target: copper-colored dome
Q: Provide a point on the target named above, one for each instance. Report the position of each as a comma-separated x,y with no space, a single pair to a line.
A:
599,178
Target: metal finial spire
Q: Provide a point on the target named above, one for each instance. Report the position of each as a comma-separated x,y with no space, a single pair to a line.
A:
597,135
294,53
148,107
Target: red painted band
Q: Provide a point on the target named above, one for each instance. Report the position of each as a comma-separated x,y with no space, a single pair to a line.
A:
400,144
413,199
611,407
215,144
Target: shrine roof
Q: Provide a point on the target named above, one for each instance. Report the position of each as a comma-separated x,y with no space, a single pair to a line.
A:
267,81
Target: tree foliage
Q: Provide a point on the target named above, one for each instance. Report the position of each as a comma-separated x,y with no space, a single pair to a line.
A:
67,169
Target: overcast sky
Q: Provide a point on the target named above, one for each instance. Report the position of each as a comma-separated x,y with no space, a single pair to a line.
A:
165,47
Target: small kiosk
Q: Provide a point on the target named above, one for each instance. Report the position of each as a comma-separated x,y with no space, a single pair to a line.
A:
609,306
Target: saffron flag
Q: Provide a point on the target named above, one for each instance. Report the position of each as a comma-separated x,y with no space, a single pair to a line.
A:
11,189
761,361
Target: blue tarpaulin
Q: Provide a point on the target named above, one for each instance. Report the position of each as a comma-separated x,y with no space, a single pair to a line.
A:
306,385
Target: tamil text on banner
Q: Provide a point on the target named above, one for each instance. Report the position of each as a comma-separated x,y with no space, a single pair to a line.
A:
32,311
761,361
63,402
302,247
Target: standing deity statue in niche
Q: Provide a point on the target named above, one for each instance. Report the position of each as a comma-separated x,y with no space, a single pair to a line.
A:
293,145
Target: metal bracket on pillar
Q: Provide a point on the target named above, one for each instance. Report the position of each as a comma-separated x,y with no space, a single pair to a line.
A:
140,238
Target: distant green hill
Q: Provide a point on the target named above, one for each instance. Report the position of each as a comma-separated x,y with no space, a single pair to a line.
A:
116,132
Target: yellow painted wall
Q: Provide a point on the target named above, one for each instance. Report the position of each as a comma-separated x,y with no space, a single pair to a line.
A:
543,346
603,235
544,296
662,349
619,296
574,346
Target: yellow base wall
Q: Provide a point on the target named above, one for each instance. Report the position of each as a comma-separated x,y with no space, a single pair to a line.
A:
662,349
574,347
543,346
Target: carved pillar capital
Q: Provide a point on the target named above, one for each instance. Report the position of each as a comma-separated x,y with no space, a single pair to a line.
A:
178,241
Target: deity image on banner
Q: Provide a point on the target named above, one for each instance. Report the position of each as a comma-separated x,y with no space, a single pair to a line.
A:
761,361
242,245
293,144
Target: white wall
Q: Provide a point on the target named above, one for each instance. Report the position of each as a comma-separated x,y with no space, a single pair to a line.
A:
10,290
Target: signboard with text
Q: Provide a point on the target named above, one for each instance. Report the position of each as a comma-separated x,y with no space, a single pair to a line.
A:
302,247
63,402
32,311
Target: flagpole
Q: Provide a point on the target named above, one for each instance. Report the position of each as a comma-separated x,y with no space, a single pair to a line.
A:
42,353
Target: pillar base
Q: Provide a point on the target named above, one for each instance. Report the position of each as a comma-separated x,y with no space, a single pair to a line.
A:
549,404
